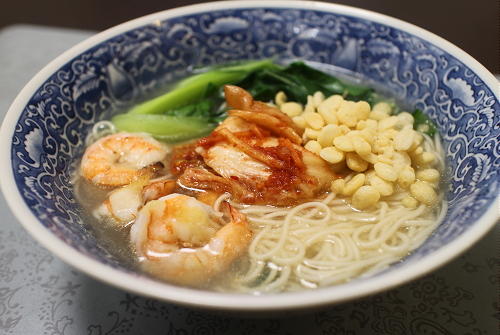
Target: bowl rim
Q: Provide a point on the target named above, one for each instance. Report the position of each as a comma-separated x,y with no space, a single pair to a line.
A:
231,301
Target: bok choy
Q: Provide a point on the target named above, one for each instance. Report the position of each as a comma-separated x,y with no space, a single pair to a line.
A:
195,105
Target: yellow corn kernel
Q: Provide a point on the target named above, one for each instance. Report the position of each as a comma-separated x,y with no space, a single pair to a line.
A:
347,113
343,143
361,125
310,105
331,104
400,159
332,155
387,123
327,134
362,110
423,192
291,108
313,146
388,151
428,158
380,143
337,186
365,197
314,120
328,115
318,98
280,98
370,158
384,158
352,185
405,119
345,129
369,174
428,175
390,133
383,107
377,115
371,124
404,139
417,140
418,151
299,121
385,171
410,202
384,187
425,158
361,146
380,111
406,176
355,163
423,128
368,134
384,135
353,133
310,134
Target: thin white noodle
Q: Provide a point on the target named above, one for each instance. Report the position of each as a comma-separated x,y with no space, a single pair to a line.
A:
255,270
328,242
309,250
274,272
281,281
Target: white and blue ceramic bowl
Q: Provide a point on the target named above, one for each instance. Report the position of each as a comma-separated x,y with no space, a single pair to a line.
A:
43,133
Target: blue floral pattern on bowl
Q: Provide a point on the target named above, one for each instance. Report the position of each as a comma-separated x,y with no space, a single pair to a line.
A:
49,136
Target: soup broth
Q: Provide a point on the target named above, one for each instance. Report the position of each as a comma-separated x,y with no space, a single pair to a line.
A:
318,224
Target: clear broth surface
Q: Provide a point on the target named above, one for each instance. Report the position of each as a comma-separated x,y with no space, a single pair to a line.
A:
116,240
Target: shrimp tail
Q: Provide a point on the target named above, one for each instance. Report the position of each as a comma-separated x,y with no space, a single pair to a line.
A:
158,188
236,216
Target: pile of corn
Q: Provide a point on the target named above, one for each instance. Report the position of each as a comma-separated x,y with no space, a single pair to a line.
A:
376,151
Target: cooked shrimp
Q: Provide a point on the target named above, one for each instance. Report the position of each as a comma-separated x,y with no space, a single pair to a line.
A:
158,188
184,241
123,203
121,158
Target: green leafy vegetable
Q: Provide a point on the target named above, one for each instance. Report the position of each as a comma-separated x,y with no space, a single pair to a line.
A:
423,123
191,109
299,80
193,88
194,106
169,128
209,107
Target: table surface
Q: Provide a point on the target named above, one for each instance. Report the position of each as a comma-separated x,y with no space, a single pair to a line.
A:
39,294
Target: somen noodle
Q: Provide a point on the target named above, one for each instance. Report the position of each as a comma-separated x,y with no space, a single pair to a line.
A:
325,242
